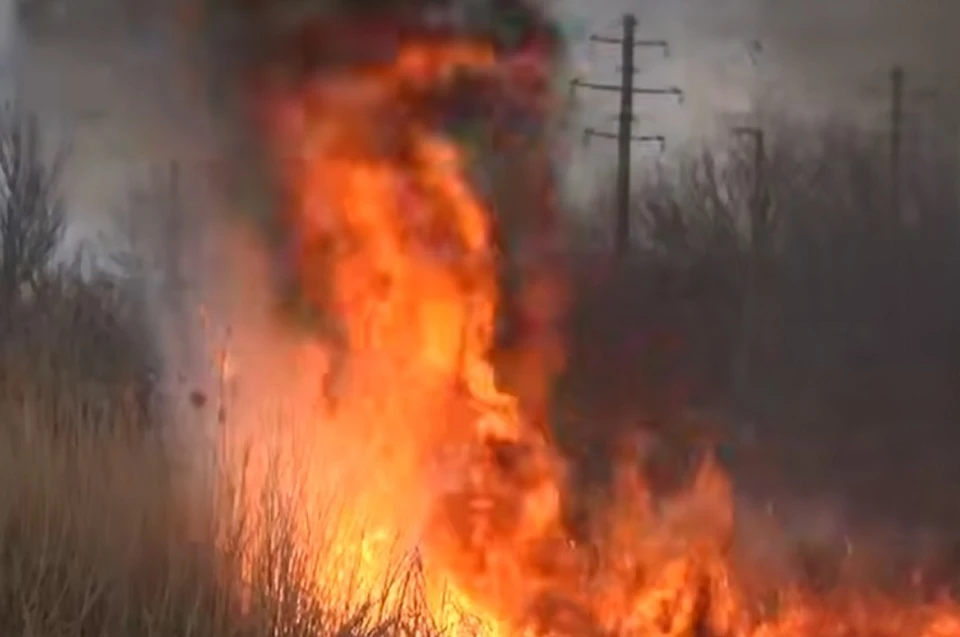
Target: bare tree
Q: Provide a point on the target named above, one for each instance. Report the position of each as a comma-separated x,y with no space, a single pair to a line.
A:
31,212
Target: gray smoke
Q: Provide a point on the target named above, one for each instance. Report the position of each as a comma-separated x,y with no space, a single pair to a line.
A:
846,48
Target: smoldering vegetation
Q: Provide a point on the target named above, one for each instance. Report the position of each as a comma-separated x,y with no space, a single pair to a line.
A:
795,316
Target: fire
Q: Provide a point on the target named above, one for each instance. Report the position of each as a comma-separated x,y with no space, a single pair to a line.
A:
395,249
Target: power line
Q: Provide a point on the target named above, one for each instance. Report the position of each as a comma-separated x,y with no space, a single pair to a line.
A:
624,135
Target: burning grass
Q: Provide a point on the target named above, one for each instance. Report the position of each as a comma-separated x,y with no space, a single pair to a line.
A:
394,242
409,491
121,532
107,534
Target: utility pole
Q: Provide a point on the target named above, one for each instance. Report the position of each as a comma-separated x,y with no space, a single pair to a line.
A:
624,136
897,94
752,328
759,223
896,136
625,132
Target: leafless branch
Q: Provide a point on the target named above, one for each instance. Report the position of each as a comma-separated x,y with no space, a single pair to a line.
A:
31,212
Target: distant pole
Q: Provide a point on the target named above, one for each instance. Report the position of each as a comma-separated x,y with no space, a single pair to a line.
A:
624,135
761,231
758,206
896,94
752,318
896,136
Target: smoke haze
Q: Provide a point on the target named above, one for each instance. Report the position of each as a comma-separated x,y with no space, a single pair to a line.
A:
115,77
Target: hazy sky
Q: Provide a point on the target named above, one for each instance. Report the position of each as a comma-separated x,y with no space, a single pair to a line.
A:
816,57
118,96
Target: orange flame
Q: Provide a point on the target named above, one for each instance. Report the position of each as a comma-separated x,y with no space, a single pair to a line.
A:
396,247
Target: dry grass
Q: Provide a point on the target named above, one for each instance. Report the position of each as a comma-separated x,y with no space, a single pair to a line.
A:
105,533
106,527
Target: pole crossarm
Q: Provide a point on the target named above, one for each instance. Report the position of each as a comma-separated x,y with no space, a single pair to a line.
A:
663,45
618,88
659,139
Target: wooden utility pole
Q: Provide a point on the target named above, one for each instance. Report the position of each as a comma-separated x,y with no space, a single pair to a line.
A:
624,136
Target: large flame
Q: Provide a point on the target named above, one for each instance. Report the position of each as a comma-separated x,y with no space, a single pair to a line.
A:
395,250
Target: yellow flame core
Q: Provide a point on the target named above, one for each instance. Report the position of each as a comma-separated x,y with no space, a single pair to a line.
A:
396,245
